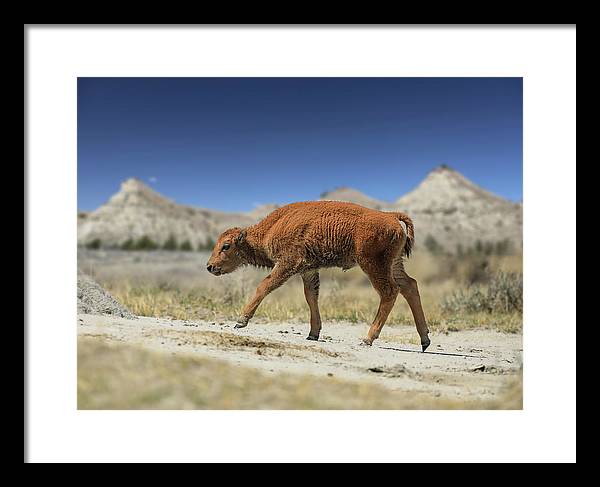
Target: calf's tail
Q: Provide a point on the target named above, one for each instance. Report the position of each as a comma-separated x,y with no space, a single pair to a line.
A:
410,232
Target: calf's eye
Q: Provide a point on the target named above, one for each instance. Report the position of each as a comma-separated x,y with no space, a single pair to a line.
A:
225,247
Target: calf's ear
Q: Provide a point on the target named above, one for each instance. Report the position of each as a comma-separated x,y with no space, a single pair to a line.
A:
240,238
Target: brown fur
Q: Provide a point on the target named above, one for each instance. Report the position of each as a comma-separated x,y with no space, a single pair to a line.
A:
301,238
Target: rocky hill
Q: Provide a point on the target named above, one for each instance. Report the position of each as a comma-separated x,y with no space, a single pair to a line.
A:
449,210
354,196
446,207
453,210
261,211
137,211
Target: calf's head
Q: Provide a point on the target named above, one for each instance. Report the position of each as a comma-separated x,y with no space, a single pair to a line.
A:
226,256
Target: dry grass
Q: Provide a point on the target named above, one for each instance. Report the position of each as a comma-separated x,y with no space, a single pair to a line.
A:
503,294
120,376
354,304
184,290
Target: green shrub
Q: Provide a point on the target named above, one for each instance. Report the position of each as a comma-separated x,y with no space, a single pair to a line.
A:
504,247
127,245
503,294
94,244
145,243
488,248
476,269
170,243
432,245
186,246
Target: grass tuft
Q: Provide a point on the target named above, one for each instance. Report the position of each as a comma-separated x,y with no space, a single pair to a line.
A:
503,294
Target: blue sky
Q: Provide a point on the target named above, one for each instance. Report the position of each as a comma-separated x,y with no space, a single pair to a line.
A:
233,143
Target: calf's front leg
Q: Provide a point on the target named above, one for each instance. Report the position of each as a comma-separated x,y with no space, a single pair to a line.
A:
276,278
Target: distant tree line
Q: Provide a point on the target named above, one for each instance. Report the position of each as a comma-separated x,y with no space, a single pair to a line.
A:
480,248
146,243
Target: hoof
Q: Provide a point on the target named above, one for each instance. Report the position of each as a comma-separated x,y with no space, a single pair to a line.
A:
366,342
312,338
425,344
241,323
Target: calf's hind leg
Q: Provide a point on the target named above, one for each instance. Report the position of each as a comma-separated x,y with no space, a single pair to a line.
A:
410,291
311,293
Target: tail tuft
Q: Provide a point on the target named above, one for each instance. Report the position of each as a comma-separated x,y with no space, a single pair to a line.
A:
410,232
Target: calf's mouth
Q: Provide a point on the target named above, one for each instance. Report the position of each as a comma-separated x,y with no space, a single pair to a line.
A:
214,270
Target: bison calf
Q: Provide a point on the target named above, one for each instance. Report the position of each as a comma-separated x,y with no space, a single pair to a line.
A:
301,238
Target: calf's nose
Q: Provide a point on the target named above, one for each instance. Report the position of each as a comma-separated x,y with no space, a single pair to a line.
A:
209,268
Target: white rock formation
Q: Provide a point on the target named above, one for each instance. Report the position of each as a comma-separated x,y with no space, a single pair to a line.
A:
445,206
136,211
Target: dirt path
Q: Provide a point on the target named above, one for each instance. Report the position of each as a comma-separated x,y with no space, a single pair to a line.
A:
466,365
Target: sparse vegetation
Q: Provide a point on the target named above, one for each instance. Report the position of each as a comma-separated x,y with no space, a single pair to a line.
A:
503,294
170,243
350,304
145,243
433,246
480,248
344,295
186,246
128,244
504,247
94,244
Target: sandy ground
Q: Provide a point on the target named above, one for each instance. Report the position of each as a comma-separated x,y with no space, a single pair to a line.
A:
465,365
